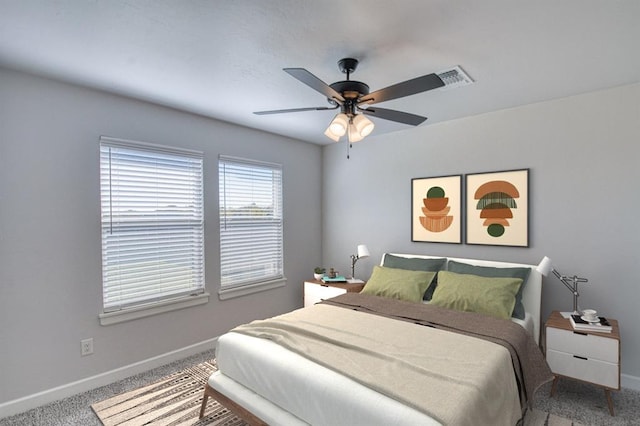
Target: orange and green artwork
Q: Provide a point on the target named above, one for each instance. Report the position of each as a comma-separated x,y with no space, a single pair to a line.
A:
497,208
436,209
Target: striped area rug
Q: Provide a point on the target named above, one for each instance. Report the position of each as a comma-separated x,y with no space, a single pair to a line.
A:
174,400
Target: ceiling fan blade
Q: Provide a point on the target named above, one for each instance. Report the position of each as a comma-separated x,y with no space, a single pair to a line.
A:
281,111
392,115
406,88
314,82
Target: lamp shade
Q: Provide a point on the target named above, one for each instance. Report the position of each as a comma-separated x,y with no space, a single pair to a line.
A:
339,124
363,251
363,125
545,266
353,134
328,133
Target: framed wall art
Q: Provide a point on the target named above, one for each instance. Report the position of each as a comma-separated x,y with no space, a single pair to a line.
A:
436,209
497,210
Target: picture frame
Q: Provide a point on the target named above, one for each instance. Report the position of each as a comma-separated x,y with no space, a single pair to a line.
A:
497,208
436,209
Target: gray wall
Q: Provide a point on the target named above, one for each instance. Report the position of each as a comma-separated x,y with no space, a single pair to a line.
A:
50,258
582,153
584,162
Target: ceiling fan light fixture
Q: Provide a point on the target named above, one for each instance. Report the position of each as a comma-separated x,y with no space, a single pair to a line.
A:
353,96
328,133
339,124
363,125
353,134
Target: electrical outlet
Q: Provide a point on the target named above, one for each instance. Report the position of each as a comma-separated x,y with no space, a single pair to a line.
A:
86,347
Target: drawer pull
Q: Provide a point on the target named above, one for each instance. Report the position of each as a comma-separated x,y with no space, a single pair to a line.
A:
580,333
580,357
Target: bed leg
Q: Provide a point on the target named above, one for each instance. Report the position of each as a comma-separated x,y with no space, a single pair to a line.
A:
231,405
205,397
553,386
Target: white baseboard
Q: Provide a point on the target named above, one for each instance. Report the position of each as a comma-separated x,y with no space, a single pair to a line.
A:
41,398
630,382
28,402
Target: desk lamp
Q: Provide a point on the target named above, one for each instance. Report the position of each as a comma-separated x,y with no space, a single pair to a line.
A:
571,283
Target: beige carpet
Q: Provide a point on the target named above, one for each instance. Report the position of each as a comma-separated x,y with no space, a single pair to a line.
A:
540,418
174,400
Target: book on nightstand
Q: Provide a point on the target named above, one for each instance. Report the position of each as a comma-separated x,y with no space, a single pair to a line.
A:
602,326
337,279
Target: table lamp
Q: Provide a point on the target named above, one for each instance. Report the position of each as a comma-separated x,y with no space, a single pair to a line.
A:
571,283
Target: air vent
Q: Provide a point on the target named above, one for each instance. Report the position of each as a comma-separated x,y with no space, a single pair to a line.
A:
454,77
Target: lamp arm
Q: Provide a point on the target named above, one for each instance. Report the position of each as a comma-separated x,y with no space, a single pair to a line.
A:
354,259
572,284
573,280
563,279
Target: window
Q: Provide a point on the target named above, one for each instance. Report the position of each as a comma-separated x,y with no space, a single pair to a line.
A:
152,225
251,231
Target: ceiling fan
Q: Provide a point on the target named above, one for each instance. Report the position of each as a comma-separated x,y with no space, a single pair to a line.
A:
354,100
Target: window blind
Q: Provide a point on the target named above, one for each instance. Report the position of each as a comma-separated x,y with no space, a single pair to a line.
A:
152,223
251,221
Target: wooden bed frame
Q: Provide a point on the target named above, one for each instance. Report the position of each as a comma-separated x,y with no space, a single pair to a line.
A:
236,408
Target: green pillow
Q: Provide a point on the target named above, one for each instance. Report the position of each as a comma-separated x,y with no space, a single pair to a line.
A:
488,271
472,293
416,264
398,283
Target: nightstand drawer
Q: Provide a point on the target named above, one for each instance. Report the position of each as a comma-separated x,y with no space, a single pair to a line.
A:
590,370
314,293
585,345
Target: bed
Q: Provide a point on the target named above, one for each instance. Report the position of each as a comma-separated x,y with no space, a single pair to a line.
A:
429,341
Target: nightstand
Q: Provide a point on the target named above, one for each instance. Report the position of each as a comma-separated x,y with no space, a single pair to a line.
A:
316,291
583,355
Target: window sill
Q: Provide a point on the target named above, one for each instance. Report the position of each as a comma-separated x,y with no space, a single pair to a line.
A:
154,309
230,293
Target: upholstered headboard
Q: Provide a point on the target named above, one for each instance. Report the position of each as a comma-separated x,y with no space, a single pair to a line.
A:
531,294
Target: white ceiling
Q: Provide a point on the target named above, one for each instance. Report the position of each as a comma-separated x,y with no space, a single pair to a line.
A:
224,59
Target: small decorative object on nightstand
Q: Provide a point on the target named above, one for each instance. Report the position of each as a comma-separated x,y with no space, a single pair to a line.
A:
318,272
332,273
584,355
316,291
